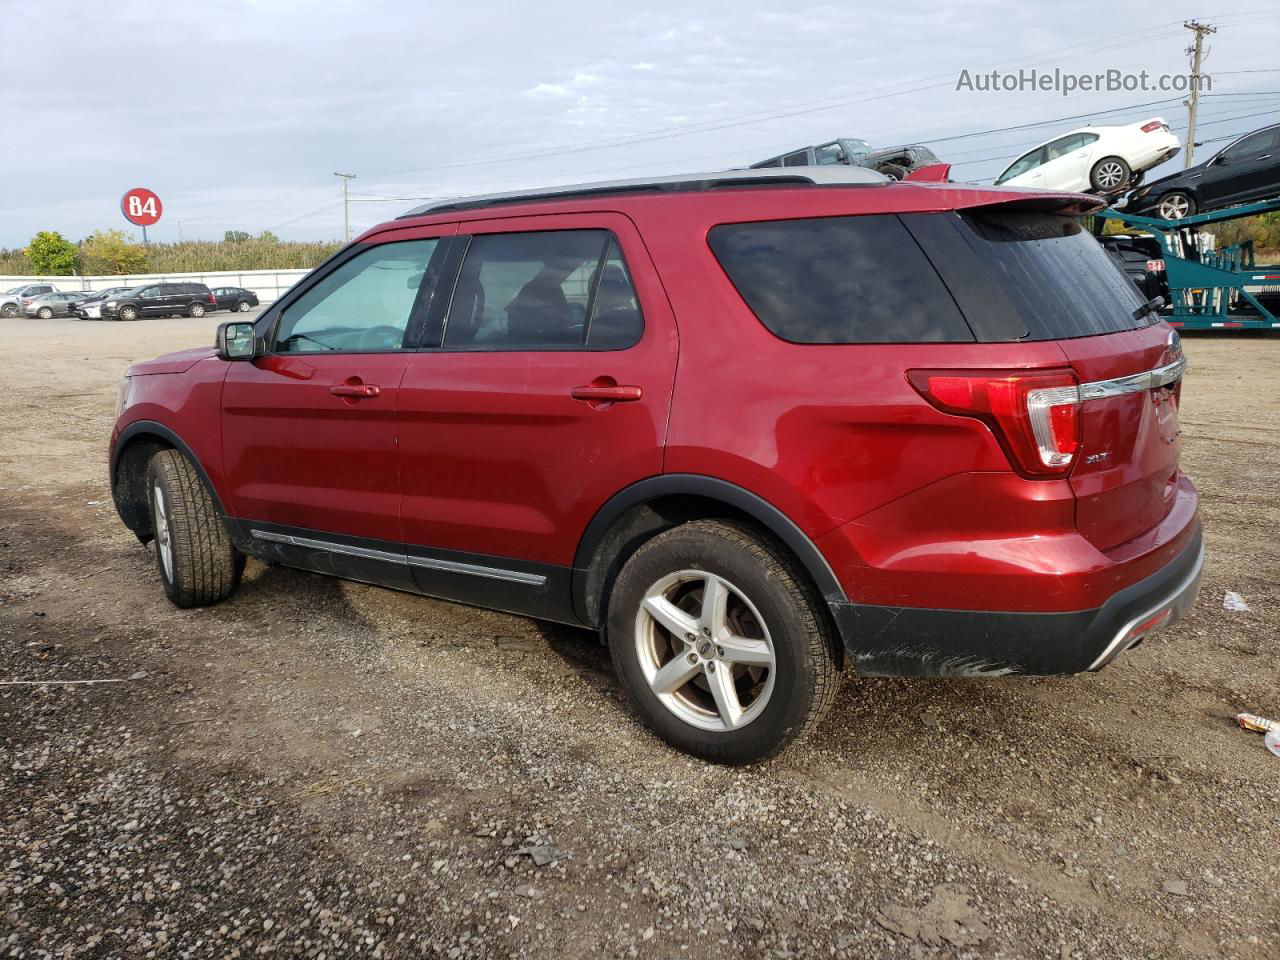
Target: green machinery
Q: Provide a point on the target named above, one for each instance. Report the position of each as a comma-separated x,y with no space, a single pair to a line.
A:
1211,289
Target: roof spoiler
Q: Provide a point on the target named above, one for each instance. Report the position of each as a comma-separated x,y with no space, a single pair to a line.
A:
932,173
1040,201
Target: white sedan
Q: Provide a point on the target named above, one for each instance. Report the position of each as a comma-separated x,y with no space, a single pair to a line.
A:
1094,159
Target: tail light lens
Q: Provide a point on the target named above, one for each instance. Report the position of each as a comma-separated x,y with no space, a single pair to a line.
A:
1152,127
1034,414
212,298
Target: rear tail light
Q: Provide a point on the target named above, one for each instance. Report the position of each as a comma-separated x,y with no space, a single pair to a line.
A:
212,298
1155,266
1151,127
1034,414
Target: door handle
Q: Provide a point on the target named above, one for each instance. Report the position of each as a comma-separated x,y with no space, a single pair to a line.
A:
1265,156
355,390
604,390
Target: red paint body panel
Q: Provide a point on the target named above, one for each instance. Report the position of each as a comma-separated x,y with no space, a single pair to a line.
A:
489,453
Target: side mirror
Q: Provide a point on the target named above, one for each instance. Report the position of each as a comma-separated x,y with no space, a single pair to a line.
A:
1221,160
236,341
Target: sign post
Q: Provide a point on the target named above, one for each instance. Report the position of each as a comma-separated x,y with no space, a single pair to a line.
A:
142,208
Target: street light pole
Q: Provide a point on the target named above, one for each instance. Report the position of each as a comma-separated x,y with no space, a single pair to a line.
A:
346,204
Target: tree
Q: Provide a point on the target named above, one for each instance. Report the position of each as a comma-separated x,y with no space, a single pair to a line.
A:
266,236
52,254
236,236
111,251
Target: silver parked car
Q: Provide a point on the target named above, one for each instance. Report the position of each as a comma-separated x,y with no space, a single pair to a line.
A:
52,305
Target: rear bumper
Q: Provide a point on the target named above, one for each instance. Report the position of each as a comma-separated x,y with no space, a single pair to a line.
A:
912,641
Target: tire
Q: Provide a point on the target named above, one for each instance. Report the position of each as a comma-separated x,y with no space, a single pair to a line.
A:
9,311
1175,205
127,313
244,306
1109,174
198,564
894,171
767,598
196,310
44,313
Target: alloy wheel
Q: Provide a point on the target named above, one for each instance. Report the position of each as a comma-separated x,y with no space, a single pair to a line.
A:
1110,175
161,524
705,651
1174,208
244,306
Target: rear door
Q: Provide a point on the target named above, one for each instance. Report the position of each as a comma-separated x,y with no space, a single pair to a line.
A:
547,390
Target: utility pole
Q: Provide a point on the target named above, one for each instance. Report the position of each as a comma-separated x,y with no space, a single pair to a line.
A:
1197,53
346,203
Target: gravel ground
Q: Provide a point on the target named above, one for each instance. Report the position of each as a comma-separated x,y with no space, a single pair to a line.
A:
326,769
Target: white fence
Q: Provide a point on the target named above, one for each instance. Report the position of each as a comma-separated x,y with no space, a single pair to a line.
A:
267,284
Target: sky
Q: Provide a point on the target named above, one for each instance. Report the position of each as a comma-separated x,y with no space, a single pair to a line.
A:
239,112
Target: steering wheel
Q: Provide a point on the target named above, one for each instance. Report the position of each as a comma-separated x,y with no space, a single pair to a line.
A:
380,338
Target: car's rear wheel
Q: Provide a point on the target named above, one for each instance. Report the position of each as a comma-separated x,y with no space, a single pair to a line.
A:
1176,205
9,311
721,642
197,562
1109,173
44,313
127,313
244,306
195,310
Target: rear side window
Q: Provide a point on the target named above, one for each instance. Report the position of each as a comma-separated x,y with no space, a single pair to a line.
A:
839,280
1028,275
548,290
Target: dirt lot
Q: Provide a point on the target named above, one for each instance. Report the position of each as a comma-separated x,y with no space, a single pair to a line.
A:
327,769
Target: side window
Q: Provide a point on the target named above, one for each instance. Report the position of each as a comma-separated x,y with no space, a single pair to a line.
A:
1028,161
839,280
1245,148
798,159
362,306
830,153
553,290
1064,145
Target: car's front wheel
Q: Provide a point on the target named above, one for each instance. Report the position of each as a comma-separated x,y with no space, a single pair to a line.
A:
721,642
1109,173
197,562
1176,205
127,313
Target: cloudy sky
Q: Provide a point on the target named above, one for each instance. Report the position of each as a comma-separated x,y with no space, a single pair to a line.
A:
238,112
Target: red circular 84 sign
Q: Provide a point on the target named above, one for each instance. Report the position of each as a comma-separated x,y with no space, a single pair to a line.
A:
141,207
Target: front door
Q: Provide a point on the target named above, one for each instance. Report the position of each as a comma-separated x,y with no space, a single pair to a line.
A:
547,392
309,430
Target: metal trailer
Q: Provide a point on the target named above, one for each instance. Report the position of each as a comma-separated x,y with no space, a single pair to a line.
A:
1212,289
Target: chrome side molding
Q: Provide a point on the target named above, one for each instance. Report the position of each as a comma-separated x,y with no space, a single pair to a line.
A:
429,563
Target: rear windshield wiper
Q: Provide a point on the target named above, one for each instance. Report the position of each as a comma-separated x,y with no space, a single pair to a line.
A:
1152,305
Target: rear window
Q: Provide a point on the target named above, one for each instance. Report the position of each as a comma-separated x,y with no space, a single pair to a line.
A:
839,280
1028,275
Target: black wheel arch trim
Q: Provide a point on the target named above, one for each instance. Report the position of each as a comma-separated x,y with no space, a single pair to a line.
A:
711,488
153,428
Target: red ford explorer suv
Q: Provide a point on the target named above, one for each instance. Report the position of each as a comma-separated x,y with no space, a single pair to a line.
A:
755,428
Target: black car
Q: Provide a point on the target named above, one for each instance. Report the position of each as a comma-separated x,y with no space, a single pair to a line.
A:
160,300
1142,261
1248,169
235,298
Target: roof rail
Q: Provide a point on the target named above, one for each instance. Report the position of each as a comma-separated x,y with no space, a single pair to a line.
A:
829,176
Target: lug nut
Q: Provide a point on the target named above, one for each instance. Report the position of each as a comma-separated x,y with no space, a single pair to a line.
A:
711,666
693,658
719,651
690,637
